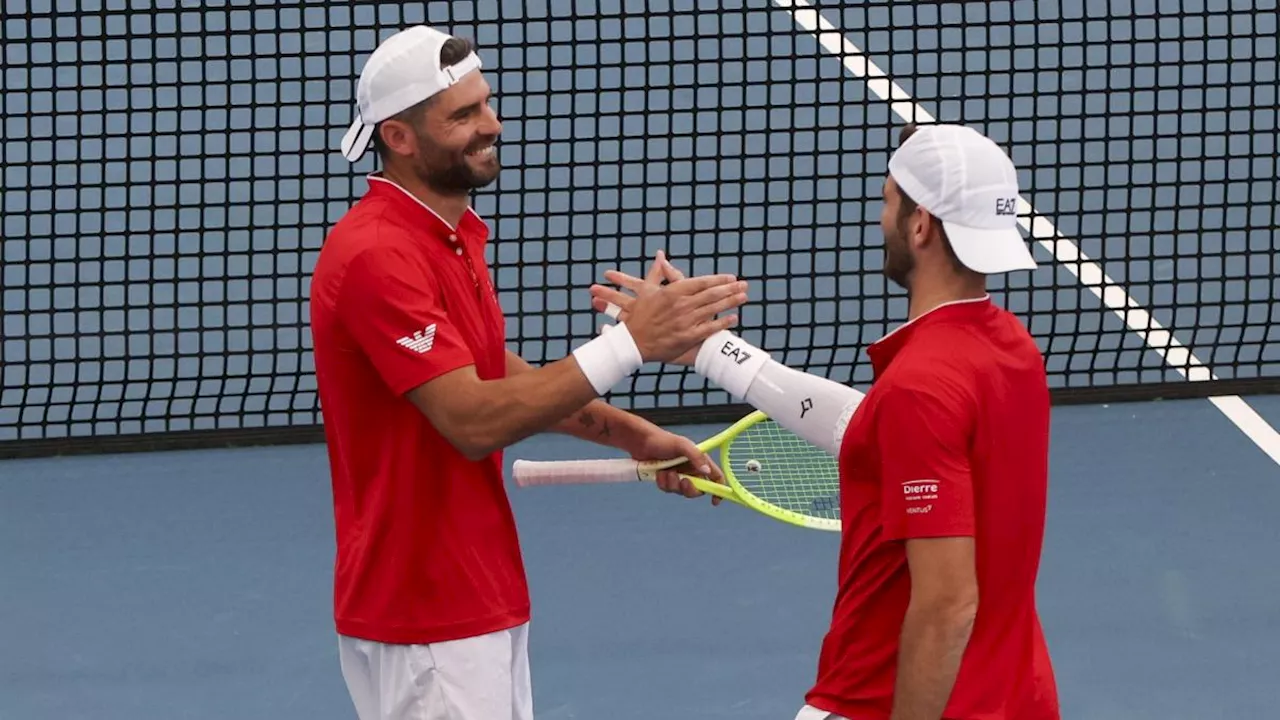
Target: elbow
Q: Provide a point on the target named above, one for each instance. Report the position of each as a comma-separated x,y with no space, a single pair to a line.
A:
477,451
956,611
469,419
961,604
961,612
475,436
479,437
475,444
488,429
951,623
466,434
965,612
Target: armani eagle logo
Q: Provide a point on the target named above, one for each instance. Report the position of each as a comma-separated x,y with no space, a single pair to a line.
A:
421,340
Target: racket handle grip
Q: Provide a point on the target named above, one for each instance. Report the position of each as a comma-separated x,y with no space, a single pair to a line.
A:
527,473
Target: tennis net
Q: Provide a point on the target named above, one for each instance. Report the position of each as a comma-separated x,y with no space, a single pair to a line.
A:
169,175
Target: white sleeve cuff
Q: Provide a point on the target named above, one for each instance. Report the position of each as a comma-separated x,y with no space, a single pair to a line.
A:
730,362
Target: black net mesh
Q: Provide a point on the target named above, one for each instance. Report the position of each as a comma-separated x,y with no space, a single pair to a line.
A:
169,174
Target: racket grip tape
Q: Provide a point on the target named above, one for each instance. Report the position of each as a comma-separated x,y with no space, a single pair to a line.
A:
528,473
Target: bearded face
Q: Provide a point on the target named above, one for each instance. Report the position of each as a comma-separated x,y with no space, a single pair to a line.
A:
895,221
458,162
454,134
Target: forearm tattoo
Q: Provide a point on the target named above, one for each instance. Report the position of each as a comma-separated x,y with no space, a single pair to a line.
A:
589,420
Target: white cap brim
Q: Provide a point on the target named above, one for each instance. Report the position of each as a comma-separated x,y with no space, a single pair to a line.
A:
357,138
990,251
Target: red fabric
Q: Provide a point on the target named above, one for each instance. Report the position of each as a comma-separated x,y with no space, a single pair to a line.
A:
952,440
426,541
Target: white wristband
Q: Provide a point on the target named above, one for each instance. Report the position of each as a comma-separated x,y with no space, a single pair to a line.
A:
609,358
730,362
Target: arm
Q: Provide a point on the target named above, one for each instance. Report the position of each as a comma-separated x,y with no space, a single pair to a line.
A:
935,631
597,421
479,417
922,428
390,305
814,408
602,423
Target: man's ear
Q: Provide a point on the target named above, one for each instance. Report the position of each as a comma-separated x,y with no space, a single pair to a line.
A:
398,138
917,228
928,229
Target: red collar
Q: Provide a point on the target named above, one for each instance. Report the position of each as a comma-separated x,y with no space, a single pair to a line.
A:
886,348
470,228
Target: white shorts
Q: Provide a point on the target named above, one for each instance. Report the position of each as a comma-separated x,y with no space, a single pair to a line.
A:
478,678
809,712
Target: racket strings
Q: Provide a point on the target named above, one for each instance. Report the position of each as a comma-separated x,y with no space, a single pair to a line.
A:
780,468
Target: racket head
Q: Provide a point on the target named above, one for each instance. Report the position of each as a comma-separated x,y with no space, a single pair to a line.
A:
775,472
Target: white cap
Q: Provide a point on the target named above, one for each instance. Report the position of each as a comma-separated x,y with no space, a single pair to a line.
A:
965,180
402,72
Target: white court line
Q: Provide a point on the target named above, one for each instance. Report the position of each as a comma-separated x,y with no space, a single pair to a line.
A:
1043,231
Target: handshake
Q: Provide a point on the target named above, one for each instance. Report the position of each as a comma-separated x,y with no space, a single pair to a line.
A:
667,315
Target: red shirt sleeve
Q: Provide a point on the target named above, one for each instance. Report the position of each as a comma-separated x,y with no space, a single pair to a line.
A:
923,439
390,305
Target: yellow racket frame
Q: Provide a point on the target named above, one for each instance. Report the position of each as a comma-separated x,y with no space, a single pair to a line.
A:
720,445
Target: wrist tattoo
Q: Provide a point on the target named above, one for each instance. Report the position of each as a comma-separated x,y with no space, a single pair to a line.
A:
589,420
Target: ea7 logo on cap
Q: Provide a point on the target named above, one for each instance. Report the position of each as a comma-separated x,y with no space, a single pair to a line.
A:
1007,206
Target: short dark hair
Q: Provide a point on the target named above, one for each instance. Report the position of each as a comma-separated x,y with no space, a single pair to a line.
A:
454,51
909,205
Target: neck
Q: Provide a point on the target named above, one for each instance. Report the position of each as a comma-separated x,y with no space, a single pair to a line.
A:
450,208
926,296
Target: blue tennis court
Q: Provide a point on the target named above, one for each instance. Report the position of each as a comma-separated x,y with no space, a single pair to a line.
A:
168,178
196,584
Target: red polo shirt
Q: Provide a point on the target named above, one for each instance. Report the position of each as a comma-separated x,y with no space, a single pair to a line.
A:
426,541
951,440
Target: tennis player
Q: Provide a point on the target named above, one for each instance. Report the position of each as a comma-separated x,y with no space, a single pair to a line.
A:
943,464
420,396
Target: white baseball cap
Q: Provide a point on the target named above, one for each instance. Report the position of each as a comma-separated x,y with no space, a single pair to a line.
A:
403,71
965,180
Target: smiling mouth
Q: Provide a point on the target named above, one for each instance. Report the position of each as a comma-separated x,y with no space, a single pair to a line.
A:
483,153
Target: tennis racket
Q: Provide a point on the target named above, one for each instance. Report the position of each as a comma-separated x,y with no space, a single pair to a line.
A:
766,467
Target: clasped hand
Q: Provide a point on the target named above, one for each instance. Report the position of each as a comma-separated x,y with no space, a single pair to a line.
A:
642,309
662,274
